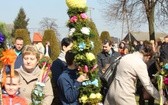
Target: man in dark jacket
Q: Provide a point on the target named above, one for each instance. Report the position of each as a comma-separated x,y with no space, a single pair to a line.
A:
58,67
105,57
18,46
164,50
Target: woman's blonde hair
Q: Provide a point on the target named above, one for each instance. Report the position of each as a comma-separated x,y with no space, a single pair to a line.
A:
31,49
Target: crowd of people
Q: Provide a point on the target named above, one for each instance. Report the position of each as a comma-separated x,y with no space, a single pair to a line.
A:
138,64
135,71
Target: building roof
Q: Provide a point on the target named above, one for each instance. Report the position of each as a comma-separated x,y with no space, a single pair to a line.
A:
145,35
37,37
129,37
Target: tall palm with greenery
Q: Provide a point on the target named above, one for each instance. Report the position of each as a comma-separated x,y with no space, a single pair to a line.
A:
82,33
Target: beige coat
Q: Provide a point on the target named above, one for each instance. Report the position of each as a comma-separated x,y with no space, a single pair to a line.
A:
122,90
28,81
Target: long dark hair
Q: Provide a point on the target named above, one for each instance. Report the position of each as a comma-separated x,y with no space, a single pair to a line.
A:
147,49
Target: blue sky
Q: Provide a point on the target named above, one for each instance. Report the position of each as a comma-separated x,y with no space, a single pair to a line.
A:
36,10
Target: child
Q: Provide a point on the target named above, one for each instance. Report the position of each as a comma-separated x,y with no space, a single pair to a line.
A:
11,90
69,83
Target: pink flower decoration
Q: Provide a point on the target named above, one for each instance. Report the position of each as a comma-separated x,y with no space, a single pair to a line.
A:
86,69
73,19
165,80
83,16
94,67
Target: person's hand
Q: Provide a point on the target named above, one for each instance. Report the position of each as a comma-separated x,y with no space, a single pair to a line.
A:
164,99
105,68
82,77
165,103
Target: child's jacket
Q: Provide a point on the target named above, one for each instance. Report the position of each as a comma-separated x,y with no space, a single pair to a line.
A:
13,100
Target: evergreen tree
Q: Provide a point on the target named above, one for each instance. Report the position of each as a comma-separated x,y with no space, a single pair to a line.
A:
24,34
105,35
49,35
96,40
20,22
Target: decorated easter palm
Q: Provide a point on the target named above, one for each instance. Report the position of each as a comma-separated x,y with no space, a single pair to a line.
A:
81,33
162,81
76,3
37,94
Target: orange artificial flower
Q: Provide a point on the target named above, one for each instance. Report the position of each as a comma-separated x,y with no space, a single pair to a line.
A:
9,57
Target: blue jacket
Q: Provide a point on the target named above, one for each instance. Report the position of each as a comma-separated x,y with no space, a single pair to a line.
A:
68,87
19,61
57,68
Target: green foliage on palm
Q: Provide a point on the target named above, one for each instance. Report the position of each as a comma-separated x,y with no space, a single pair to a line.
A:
85,40
74,11
105,35
49,35
24,34
20,22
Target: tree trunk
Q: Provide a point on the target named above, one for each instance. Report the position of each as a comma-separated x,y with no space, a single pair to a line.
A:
151,21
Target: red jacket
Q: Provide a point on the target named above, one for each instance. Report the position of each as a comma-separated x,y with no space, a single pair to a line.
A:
13,100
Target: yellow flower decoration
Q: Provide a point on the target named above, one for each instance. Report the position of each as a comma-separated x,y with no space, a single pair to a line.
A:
84,99
90,56
92,96
76,3
98,95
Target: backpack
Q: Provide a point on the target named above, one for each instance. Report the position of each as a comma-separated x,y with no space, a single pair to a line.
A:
110,72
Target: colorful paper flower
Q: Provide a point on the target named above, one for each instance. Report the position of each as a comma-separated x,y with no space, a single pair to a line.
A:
82,46
83,99
72,30
85,30
2,38
98,95
166,66
86,69
83,16
92,96
73,19
90,56
165,80
95,83
76,3
94,68
37,94
92,44
9,57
